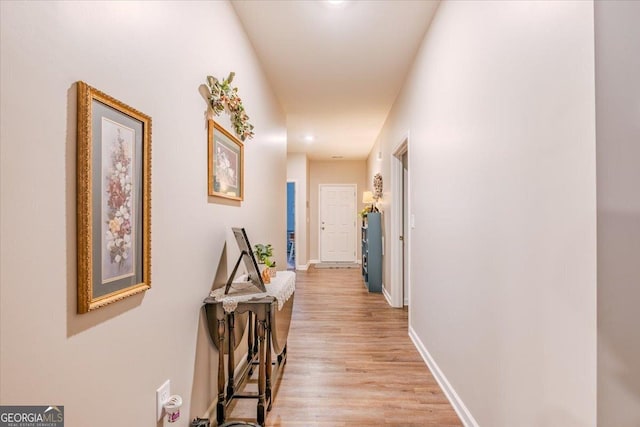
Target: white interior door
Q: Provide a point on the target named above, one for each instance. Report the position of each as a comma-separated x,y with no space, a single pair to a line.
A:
337,223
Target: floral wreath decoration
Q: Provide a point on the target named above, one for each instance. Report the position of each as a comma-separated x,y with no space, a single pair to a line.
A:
377,186
223,96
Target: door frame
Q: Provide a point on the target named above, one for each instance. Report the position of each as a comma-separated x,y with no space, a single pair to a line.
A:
396,289
355,224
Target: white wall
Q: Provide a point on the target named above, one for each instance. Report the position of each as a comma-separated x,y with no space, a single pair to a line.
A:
500,109
618,147
298,171
152,56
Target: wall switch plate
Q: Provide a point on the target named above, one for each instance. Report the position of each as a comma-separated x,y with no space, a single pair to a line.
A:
162,395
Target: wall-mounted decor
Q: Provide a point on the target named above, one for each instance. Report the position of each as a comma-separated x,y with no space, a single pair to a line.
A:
223,96
113,199
226,163
377,186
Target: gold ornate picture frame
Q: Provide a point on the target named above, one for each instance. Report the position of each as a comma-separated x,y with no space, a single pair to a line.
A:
113,199
225,163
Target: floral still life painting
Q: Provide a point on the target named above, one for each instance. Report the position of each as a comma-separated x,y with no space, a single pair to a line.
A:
118,219
226,167
226,163
113,200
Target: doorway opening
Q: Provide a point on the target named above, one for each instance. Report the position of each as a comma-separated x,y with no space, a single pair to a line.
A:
291,225
400,289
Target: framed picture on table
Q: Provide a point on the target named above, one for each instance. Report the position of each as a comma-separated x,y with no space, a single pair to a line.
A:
226,163
113,199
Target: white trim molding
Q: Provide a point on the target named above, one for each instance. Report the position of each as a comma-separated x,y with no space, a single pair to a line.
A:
396,290
457,403
387,295
303,267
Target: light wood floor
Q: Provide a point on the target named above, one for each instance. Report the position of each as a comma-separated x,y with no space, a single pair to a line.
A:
350,362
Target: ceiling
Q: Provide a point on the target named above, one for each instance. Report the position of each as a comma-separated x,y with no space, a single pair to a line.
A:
336,67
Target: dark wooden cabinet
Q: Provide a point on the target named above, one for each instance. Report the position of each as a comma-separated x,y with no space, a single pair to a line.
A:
372,252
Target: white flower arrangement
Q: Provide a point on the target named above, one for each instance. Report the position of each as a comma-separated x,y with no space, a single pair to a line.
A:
119,189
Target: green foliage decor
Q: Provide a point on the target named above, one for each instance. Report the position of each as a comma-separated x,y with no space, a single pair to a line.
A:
223,96
264,254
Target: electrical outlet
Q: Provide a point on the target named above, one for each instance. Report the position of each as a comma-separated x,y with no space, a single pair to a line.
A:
162,395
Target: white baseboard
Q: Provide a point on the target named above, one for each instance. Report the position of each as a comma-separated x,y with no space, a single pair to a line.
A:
305,267
457,403
386,294
317,261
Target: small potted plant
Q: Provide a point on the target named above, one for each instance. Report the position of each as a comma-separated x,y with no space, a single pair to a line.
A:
264,254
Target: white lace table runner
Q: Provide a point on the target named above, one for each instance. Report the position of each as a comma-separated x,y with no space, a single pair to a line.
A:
281,288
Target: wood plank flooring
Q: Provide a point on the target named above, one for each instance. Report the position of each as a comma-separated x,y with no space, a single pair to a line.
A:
350,362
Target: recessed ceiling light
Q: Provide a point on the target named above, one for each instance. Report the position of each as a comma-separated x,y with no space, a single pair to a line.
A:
337,157
308,138
335,3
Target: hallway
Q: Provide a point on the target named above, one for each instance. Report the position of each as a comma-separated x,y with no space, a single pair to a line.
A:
351,362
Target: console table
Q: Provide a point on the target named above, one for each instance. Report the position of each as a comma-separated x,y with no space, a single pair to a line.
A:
269,321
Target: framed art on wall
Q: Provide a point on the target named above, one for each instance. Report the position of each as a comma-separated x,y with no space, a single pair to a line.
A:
113,199
226,163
